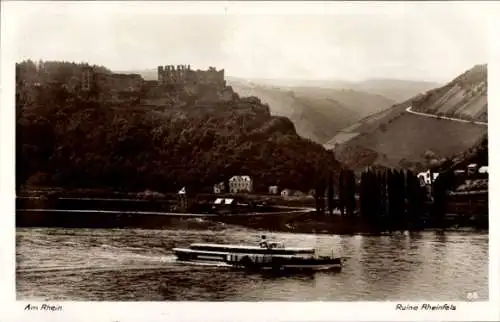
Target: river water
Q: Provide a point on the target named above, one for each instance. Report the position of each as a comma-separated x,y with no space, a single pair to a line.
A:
137,265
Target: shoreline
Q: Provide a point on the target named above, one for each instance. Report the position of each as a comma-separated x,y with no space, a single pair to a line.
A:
300,222
63,209
312,223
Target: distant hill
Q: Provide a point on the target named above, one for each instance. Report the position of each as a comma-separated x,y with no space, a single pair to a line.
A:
397,90
362,103
465,97
397,138
317,113
147,74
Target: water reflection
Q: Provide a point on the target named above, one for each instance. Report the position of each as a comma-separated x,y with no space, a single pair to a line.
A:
389,263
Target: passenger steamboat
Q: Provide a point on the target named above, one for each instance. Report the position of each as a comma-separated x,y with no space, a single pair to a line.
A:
267,256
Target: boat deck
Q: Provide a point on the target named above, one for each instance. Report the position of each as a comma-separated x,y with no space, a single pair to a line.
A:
259,258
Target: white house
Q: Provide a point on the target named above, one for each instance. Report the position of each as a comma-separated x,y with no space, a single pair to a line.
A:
425,177
483,169
240,184
273,190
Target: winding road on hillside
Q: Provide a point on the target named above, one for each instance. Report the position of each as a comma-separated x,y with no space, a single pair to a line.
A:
445,117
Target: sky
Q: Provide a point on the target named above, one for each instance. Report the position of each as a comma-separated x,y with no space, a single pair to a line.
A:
336,41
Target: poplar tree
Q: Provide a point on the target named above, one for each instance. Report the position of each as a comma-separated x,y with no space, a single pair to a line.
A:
384,202
331,204
443,182
363,196
402,200
320,196
382,196
342,192
414,197
376,198
392,199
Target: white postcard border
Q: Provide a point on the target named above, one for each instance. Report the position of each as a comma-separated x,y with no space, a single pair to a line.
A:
13,310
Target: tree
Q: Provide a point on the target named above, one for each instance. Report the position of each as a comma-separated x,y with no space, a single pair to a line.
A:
331,200
383,201
440,186
412,195
377,197
342,192
320,196
350,192
370,198
403,222
392,190
438,206
364,192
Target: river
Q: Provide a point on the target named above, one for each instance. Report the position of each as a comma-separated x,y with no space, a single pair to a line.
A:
137,265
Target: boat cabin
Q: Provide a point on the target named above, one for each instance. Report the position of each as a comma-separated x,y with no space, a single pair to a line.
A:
273,248
272,245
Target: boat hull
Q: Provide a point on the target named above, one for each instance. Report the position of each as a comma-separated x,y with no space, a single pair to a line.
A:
259,262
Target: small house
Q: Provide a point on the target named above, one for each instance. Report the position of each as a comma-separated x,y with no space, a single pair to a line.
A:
224,201
225,205
472,169
425,177
273,190
219,187
286,193
483,172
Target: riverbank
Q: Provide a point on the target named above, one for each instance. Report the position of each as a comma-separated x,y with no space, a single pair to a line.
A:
311,222
151,201
61,210
84,210
289,221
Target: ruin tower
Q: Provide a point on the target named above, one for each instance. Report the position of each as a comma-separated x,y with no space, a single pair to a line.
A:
182,74
86,78
172,74
222,79
178,74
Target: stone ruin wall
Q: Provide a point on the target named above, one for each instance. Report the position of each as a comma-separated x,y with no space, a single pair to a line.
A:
183,75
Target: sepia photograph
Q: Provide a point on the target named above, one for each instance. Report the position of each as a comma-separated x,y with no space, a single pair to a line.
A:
167,153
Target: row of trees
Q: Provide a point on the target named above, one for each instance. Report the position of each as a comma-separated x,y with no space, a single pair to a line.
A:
388,200
54,71
392,200
346,200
